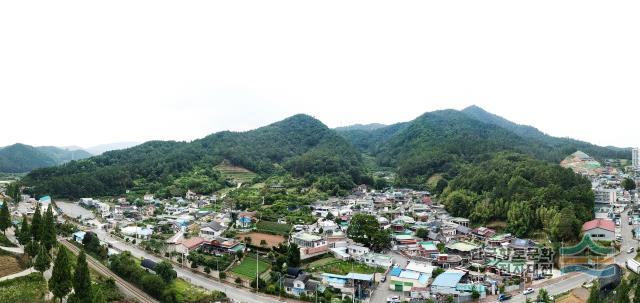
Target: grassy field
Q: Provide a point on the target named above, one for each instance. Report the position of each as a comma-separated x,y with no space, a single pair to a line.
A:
339,267
247,268
322,262
186,292
273,227
27,289
236,173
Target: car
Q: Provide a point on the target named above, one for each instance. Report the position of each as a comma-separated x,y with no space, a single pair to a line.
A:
393,299
504,297
527,291
630,250
384,278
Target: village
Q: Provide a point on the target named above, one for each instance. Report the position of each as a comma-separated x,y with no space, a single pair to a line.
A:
430,255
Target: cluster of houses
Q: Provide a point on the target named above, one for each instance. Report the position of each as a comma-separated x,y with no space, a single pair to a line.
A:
446,255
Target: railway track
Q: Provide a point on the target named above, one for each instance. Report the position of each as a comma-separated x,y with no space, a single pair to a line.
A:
133,291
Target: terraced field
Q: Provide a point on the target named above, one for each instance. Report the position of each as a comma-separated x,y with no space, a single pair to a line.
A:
236,173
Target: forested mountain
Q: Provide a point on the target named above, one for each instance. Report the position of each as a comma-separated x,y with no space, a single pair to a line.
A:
300,145
20,158
440,141
371,126
564,146
102,148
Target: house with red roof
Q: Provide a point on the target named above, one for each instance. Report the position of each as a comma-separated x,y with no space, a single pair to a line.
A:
600,229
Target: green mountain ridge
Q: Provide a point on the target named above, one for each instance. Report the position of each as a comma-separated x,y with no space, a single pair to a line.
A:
21,158
299,145
441,141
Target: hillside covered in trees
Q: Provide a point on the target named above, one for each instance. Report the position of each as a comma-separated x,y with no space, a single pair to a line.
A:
21,158
300,146
440,142
530,195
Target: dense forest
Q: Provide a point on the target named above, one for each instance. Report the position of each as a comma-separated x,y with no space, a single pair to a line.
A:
300,146
21,158
530,195
440,142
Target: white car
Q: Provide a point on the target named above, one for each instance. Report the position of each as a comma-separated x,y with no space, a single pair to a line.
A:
630,250
527,291
394,299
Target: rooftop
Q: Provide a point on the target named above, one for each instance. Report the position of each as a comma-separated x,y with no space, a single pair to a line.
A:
449,278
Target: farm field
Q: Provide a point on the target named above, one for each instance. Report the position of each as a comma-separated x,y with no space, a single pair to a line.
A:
236,173
273,227
9,265
247,268
339,267
257,237
27,289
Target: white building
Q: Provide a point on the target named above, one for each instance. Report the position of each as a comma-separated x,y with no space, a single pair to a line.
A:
635,154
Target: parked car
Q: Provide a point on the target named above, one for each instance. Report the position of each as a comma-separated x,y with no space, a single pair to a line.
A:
630,250
527,291
504,297
383,279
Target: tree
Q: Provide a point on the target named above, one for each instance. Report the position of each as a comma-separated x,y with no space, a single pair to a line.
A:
543,296
24,236
293,255
594,293
238,280
82,280
422,233
622,292
35,224
42,260
365,229
222,275
153,285
165,270
628,184
48,236
31,248
437,271
60,282
263,242
5,217
475,294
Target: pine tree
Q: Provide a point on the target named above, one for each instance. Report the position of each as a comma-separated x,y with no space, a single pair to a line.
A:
31,248
82,281
25,232
60,282
48,230
35,224
98,297
5,217
43,261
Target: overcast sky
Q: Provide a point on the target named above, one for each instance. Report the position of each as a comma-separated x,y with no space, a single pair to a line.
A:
87,72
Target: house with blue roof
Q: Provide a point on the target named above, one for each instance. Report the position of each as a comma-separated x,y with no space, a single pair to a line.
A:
451,282
404,280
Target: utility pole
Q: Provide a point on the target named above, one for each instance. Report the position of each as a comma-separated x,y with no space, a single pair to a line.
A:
257,273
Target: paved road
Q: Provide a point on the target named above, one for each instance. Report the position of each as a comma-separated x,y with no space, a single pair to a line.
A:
237,294
382,292
627,240
127,288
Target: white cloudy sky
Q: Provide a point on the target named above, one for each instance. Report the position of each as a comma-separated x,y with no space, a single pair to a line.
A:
88,72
